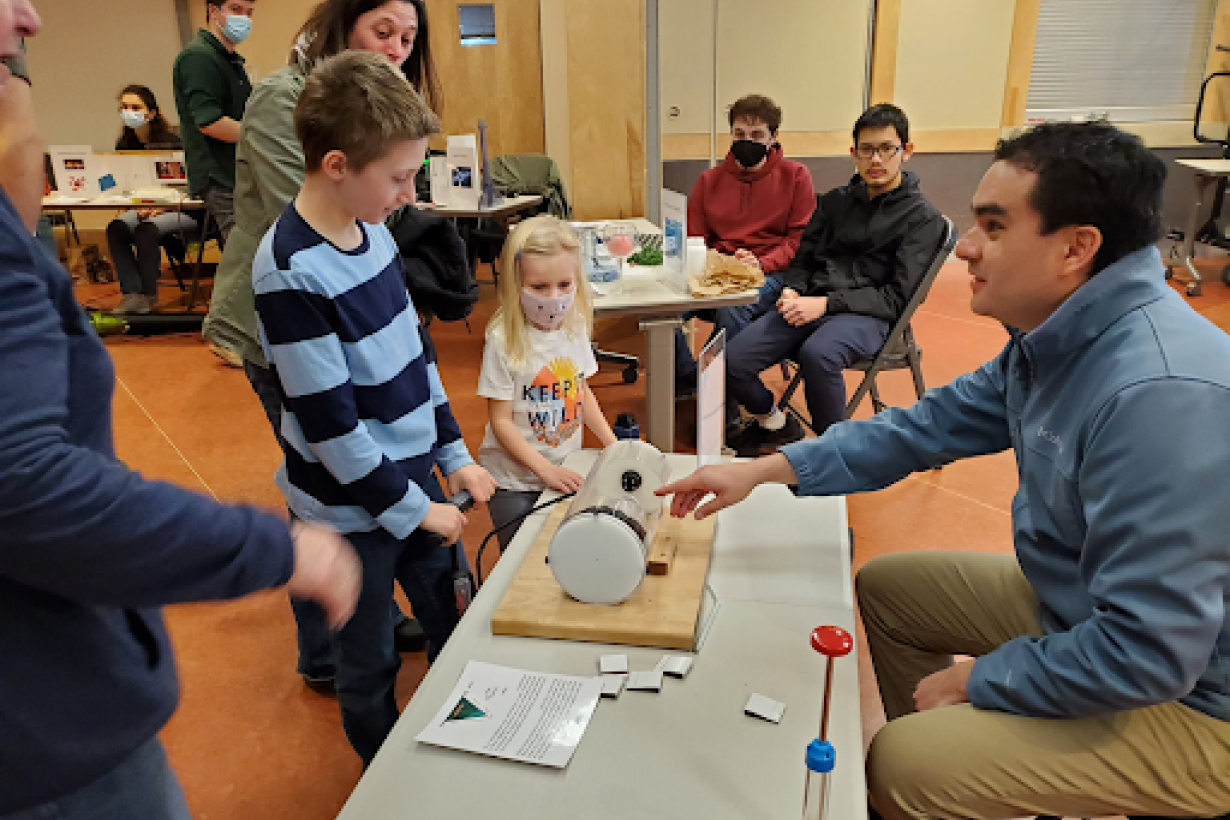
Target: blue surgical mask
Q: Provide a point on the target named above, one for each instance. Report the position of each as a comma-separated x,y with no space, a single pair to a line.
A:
133,119
237,28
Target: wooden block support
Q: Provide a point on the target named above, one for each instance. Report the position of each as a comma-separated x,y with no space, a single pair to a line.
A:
663,612
662,554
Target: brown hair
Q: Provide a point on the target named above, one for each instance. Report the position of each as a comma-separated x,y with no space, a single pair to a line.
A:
327,32
160,131
356,102
756,107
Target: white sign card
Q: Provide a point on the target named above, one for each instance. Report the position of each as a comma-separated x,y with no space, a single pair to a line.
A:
529,717
440,183
465,174
73,166
675,240
711,401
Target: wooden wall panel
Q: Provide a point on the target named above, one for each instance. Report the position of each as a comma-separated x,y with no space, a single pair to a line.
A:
1020,62
500,83
606,106
884,50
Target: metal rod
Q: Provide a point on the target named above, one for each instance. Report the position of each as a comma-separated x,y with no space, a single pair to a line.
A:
828,694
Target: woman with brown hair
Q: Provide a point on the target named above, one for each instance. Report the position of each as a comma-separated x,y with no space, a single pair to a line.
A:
135,238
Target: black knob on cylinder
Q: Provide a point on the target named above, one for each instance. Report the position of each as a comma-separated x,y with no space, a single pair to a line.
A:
631,481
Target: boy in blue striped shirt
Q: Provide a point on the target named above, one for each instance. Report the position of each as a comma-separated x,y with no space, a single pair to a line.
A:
366,419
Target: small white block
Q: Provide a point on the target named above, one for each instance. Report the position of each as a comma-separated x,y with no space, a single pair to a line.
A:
613,664
645,681
612,685
765,708
677,666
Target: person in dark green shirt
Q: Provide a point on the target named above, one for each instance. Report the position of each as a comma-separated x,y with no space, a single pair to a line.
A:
211,90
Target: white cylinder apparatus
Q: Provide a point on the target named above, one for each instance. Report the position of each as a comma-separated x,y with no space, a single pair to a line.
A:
599,553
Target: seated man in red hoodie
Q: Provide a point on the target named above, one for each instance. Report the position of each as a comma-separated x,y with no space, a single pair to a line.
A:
753,206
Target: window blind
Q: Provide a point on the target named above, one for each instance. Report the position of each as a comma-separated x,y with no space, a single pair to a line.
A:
1126,60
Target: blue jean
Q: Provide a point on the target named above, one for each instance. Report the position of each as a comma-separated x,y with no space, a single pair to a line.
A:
136,250
367,662
141,786
731,319
316,658
822,349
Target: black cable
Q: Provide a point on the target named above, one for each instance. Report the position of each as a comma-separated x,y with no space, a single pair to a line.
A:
478,558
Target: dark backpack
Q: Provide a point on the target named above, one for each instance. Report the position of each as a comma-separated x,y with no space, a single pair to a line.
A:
437,267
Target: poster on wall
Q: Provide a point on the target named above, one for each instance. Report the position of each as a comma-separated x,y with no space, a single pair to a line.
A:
75,174
675,240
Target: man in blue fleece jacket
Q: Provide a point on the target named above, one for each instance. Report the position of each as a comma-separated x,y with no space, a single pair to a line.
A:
1101,679
89,551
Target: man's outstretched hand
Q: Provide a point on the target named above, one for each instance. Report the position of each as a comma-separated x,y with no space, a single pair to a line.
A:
727,483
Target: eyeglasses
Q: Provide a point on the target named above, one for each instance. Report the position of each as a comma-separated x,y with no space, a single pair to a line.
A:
886,151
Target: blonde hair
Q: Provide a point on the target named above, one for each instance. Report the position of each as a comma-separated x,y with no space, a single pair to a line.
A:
544,236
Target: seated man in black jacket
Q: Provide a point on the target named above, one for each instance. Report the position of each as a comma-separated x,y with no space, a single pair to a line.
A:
864,252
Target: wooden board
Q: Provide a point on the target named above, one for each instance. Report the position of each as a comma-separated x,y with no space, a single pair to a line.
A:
663,612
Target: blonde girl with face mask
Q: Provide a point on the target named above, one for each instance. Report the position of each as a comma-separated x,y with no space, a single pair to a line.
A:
537,359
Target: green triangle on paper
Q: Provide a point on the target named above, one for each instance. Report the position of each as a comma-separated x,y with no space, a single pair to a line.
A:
464,710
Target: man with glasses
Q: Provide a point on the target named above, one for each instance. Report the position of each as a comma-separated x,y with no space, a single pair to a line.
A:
863,254
754,207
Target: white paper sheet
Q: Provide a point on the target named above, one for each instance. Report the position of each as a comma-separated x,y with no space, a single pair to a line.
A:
530,717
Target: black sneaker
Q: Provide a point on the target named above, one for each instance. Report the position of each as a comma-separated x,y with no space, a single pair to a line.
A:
408,637
755,440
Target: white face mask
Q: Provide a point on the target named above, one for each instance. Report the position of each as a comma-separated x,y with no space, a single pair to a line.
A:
133,119
546,311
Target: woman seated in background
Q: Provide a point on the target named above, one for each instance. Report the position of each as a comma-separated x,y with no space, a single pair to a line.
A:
135,238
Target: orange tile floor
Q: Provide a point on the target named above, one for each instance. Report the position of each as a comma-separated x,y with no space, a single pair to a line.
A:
250,740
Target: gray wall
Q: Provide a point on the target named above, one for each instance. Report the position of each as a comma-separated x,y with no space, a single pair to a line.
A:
949,180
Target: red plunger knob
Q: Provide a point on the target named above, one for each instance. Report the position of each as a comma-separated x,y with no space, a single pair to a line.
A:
832,641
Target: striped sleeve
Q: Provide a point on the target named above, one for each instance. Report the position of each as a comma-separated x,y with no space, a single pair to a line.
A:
297,322
452,453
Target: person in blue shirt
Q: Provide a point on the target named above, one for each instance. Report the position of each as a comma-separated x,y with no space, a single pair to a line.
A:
1100,683
90,551
365,420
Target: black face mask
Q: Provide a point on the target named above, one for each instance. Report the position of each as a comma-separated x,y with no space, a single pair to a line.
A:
748,152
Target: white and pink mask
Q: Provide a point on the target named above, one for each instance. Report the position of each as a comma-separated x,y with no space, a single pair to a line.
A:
546,311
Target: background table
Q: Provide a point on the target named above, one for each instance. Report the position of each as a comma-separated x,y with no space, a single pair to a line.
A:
689,751
659,307
507,207
1208,171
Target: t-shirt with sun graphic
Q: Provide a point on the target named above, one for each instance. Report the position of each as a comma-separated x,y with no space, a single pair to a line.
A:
546,393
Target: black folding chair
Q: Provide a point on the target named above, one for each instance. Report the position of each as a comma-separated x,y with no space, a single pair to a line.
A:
209,231
899,352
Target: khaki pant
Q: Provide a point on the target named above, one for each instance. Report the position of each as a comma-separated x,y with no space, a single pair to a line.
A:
962,763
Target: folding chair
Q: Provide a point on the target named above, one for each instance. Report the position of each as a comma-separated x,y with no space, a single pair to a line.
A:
899,351
210,230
